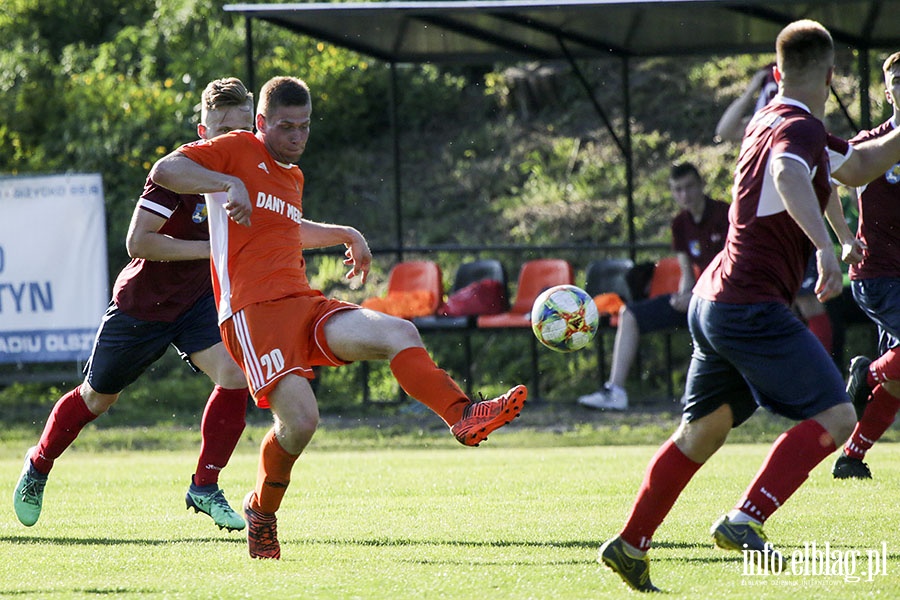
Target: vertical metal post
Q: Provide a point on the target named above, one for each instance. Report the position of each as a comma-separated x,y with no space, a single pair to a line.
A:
395,134
865,76
248,46
629,159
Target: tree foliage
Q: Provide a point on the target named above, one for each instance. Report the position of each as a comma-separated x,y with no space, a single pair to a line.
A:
110,86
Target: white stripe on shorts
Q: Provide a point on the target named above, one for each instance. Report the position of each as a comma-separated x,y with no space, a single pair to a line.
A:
252,366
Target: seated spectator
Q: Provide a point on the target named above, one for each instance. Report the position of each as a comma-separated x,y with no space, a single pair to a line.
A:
698,234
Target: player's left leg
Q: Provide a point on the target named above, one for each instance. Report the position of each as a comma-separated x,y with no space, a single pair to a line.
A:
873,386
716,398
878,415
296,417
780,382
200,344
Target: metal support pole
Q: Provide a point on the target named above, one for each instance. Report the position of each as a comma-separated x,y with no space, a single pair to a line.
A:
248,47
398,187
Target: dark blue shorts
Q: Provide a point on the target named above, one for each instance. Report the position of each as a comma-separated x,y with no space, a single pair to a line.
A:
750,355
125,346
656,314
879,298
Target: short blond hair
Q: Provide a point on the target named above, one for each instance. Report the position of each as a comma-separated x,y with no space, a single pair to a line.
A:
224,93
804,48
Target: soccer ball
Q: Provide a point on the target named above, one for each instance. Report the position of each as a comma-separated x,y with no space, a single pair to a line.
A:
564,318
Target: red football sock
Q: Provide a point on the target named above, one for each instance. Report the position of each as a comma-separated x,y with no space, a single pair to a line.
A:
66,420
426,382
220,430
667,475
878,416
793,455
274,474
820,326
885,367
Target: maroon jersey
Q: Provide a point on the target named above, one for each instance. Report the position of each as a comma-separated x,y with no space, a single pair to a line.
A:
163,290
766,252
701,241
879,218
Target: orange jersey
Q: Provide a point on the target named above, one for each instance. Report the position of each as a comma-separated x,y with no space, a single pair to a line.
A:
264,261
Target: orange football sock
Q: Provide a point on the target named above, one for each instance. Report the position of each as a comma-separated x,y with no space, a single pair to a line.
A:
274,474
426,382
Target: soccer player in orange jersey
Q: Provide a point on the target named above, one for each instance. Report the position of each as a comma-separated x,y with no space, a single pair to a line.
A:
274,324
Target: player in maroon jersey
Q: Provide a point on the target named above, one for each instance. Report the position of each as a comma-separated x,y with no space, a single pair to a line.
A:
750,349
874,386
760,91
162,297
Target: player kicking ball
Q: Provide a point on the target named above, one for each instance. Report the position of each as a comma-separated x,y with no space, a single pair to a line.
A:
273,323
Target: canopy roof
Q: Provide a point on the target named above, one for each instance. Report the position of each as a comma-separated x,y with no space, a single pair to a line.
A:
496,31
486,31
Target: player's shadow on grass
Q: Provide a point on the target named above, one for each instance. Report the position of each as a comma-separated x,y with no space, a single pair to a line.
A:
592,544
105,541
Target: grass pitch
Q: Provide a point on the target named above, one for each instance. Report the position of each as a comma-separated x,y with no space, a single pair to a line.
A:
507,520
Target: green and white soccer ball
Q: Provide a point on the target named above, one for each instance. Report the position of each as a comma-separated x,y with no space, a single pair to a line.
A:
564,318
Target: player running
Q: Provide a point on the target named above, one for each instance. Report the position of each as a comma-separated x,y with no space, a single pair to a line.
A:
162,297
750,349
274,324
874,386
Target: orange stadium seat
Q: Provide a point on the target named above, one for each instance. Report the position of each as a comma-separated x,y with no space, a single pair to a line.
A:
535,276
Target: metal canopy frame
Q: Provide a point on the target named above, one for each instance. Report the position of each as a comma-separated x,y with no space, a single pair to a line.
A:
494,31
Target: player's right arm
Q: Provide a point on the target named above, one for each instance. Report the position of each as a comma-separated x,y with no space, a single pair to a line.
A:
184,176
145,241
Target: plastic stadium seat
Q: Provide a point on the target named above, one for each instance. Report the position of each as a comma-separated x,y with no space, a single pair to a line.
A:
609,275
665,280
535,276
414,288
476,270
466,274
417,275
666,277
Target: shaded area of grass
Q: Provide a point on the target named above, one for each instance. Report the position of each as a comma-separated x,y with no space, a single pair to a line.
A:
539,426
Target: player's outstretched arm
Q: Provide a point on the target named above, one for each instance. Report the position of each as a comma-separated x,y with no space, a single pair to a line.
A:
184,176
869,160
322,235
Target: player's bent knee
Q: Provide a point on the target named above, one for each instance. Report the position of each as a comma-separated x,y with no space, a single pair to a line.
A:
892,388
96,402
838,421
232,378
403,334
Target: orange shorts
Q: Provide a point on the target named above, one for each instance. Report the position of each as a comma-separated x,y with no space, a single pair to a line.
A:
271,339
